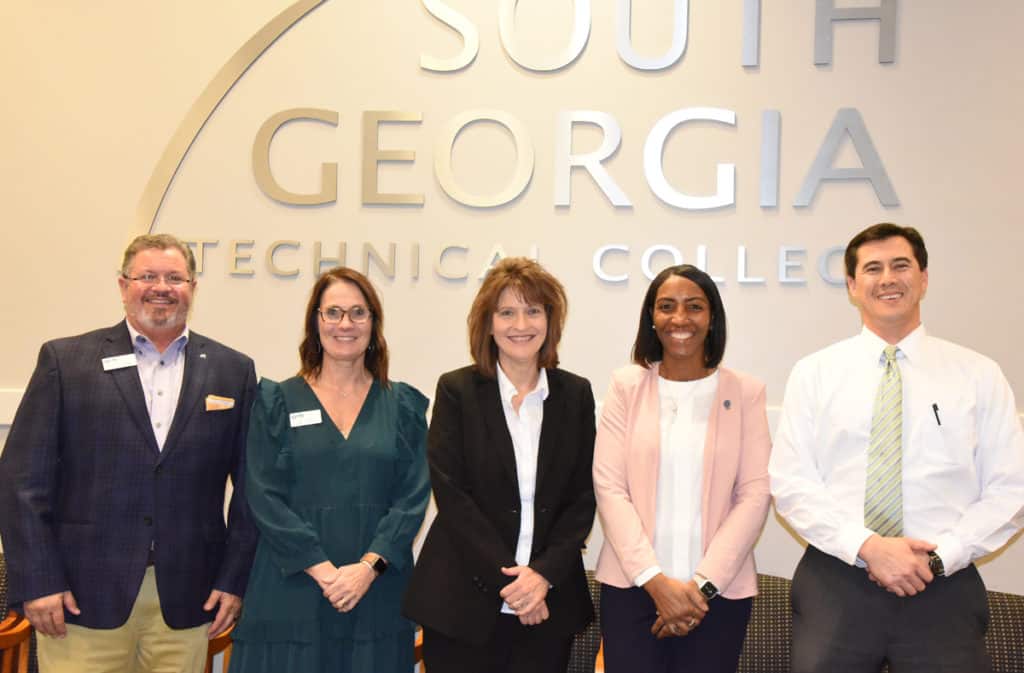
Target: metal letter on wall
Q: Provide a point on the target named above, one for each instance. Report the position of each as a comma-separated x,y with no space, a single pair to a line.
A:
202,109
261,159
826,13
751,57
578,40
373,155
461,25
624,37
725,190
771,133
597,263
565,160
848,122
443,158
439,264
271,259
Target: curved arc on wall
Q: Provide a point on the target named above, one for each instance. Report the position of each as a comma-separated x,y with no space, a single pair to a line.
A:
204,106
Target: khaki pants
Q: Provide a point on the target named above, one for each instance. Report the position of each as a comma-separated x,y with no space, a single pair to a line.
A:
144,644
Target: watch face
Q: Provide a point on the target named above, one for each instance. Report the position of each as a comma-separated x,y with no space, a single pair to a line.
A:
708,589
380,566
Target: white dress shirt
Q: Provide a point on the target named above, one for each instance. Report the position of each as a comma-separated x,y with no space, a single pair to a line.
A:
963,448
685,410
161,375
524,427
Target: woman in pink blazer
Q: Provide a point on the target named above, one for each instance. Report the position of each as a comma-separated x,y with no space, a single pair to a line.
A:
681,478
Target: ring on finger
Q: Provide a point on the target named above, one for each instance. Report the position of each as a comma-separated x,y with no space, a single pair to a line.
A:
692,623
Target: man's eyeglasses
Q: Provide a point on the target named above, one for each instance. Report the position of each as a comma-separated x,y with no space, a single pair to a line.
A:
172,279
334,314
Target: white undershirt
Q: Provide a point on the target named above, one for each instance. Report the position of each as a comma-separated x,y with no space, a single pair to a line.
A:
685,409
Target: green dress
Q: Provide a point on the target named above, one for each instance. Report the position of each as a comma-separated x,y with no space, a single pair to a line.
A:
317,496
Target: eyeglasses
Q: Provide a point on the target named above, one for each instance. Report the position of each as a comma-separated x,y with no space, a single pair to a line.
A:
334,314
172,279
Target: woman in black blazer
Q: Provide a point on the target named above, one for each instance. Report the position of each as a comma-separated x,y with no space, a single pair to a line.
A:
499,584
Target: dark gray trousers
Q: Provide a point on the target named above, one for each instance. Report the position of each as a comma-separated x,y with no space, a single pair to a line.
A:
845,623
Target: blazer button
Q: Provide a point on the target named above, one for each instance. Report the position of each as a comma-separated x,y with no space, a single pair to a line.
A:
148,520
157,469
514,510
544,510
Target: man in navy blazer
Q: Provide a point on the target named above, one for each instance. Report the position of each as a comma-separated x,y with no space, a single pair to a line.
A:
112,482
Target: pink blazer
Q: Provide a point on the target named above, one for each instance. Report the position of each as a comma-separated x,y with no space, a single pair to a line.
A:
736,496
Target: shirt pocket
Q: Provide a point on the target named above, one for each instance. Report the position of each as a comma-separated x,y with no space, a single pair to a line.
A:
945,431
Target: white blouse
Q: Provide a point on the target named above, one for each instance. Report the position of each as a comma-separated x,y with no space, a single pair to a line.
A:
685,409
524,428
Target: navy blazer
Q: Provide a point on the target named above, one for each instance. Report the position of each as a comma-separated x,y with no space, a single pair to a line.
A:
457,579
85,490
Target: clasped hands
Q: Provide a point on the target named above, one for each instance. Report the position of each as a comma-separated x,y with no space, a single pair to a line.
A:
46,613
897,564
681,606
526,594
343,586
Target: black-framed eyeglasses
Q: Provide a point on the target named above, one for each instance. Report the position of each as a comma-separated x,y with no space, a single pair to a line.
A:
335,314
172,279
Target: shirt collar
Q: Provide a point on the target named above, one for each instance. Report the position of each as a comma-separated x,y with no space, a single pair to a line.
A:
910,347
507,389
136,336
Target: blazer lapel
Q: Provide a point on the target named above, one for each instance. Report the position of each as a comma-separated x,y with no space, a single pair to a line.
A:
648,435
495,427
554,420
192,385
118,342
723,431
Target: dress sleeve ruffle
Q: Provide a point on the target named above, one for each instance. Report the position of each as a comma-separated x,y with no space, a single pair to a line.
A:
292,541
412,420
397,529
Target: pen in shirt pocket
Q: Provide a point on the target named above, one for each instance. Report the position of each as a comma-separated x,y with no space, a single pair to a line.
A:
935,410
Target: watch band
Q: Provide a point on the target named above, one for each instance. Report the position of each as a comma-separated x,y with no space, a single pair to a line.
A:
378,565
706,586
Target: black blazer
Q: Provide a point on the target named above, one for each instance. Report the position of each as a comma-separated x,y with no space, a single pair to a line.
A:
84,489
455,584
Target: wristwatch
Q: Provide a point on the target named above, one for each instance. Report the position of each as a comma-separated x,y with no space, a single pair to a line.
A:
706,586
935,565
380,566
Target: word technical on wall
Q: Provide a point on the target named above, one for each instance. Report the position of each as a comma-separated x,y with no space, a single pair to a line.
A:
613,261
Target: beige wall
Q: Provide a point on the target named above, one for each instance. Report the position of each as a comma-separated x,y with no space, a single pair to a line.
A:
94,91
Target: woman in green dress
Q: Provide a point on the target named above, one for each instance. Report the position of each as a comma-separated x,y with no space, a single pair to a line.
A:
338,485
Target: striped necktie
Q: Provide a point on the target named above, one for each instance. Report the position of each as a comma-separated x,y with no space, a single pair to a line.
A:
883,497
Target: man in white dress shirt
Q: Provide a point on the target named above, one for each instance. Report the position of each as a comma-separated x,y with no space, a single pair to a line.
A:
899,458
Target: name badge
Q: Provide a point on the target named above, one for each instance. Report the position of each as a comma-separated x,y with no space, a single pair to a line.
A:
301,418
119,361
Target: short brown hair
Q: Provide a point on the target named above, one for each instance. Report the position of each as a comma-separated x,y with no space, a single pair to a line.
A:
534,285
157,242
311,354
880,232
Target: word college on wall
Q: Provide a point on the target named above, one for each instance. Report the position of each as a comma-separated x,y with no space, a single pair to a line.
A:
612,261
